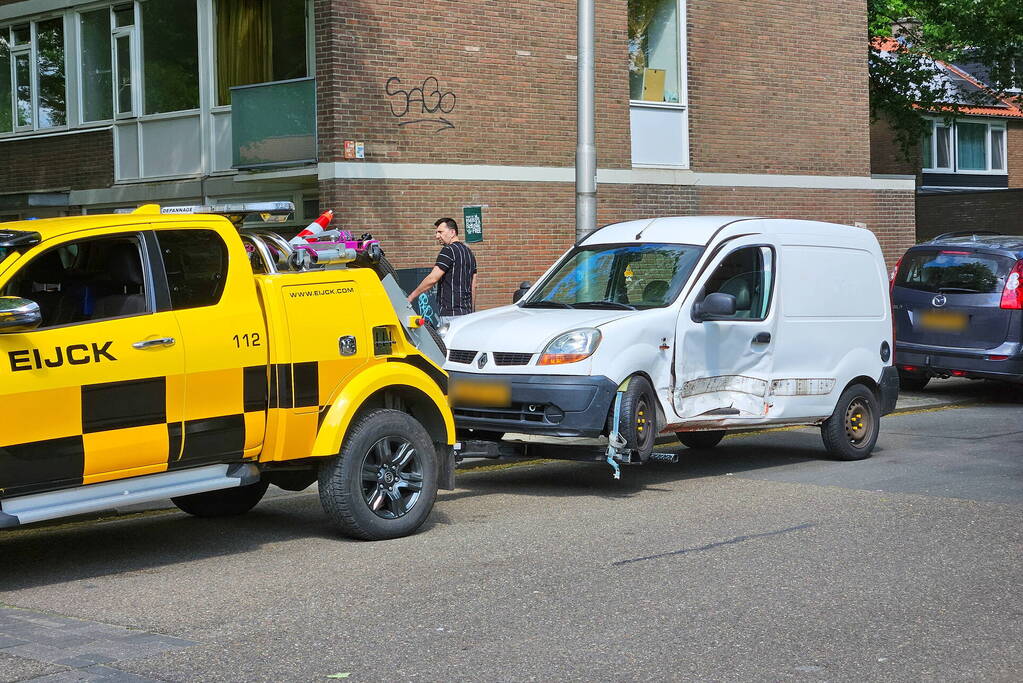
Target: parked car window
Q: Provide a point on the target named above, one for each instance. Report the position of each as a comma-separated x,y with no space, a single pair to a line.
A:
196,265
748,275
633,276
952,271
84,281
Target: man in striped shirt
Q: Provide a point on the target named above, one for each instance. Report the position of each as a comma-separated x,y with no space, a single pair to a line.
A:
454,273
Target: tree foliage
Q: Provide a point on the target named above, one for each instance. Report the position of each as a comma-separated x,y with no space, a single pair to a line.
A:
903,84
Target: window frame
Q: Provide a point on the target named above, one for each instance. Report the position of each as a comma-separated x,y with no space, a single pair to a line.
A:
772,285
932,140
31,49
150,290
683,74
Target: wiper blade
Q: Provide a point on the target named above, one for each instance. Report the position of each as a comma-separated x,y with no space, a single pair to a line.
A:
545,303
604,304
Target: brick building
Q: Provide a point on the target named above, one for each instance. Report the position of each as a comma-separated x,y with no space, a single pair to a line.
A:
703,107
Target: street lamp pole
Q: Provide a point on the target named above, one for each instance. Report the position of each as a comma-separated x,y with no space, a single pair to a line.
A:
586,146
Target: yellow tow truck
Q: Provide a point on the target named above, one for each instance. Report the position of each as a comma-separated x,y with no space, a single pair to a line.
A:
179,354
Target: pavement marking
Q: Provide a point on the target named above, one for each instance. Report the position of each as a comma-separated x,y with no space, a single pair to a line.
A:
710,546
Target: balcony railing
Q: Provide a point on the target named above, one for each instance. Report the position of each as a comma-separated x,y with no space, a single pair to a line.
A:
274,124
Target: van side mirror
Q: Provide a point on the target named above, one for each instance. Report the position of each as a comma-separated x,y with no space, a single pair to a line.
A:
714,305
18,315
523,288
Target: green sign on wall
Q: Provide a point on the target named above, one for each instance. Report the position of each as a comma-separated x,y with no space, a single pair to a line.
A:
472,223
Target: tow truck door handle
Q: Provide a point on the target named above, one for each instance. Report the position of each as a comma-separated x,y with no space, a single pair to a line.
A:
150,343
762,338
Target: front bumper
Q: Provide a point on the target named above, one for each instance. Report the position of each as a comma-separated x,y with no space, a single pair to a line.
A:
549,405
978,363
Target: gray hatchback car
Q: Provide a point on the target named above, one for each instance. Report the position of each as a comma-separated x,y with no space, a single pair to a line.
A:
958,309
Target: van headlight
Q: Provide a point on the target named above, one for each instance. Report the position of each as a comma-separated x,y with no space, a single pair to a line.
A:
571,347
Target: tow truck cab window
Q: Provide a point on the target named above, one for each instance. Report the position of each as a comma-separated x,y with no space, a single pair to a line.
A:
196,266
83,281
748,275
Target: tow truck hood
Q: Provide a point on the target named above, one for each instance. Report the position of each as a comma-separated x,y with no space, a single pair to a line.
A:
522,330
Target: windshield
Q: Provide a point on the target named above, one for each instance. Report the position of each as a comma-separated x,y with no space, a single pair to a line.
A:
953,272
618,276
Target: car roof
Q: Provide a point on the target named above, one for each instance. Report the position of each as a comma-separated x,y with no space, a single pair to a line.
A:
55,227
701,230
1012,244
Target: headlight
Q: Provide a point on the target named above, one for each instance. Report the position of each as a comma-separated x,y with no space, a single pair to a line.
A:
571,347
443,328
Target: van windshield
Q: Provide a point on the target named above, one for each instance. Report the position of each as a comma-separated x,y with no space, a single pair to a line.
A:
617,276
953,272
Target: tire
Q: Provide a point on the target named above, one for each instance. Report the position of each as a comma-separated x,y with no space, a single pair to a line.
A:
851,431
638,421
383,483
913,381
224,502
700,439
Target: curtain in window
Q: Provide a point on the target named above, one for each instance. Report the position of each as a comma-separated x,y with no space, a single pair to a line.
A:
971,143
997,142
244,45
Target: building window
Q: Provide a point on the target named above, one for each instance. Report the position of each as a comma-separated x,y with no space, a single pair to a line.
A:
97,69
33,88
259,41
965,147
654,59
170,55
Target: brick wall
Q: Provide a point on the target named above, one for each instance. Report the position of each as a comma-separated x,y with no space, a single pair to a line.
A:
778,86
504,77
79,161
527,226
1014,153
885,154
999,211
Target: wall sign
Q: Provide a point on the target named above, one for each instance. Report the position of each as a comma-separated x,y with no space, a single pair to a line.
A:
472,223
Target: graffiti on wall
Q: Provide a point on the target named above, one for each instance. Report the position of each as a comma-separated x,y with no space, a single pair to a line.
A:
425,103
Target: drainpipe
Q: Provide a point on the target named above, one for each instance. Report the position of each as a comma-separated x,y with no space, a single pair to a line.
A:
586,146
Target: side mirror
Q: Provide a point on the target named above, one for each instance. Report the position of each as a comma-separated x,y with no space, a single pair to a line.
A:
523,288
714,305
18,315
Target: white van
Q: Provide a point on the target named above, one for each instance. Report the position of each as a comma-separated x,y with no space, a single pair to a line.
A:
693,326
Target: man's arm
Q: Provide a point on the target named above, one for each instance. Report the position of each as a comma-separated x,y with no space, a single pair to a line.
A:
429,281
474,292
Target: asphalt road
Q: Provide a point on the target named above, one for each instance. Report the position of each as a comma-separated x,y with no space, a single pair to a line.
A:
758,560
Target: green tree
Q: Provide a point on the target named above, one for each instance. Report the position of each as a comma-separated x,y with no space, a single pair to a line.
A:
903,83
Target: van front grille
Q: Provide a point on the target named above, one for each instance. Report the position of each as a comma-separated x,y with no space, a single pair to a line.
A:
502,358
460,355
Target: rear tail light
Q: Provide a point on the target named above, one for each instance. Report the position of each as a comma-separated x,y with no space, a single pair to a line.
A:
895,273
1012,295
909,368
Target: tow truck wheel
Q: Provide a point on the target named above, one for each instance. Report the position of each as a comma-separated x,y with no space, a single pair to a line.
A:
383,483
223,503
851,431
700,439
638,421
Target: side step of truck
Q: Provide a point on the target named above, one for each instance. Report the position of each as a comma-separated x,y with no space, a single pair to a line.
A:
38,507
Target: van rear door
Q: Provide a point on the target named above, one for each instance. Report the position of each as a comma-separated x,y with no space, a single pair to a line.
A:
951,297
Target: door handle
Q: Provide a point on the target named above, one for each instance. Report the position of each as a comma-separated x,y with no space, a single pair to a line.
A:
762,338
150,343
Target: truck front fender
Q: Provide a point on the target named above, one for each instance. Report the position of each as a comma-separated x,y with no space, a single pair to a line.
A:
350,399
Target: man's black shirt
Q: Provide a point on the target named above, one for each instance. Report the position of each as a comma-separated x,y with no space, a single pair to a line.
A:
454,291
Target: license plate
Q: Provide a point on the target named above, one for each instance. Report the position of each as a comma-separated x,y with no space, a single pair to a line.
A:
943,321
479,393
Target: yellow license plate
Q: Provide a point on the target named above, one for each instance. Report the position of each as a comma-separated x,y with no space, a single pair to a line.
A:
479,393
944,321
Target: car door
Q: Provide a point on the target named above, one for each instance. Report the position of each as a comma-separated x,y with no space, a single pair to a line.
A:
723,365
213,298
93,393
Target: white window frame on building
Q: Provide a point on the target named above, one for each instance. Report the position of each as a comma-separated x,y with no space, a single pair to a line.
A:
27,49
660,127
152,140
995,145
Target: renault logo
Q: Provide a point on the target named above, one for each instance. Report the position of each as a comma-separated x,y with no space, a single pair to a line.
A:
939,301
482,361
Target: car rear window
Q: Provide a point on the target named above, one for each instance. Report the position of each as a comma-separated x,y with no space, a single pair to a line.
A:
953,272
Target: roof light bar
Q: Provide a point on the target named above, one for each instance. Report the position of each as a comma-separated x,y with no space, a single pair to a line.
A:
236,212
